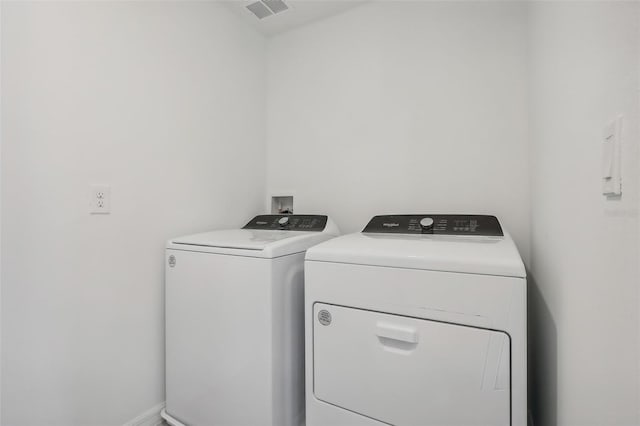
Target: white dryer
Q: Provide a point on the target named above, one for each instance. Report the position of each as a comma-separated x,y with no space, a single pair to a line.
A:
420,320
235,322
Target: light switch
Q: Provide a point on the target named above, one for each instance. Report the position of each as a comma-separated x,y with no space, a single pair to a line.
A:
611,158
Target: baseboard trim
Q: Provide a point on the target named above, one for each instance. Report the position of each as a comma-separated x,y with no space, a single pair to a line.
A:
151,417
169,419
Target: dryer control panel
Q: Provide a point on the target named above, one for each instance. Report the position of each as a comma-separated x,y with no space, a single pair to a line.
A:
288,222
437,224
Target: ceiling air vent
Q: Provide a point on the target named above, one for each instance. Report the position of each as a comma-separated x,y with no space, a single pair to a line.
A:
276,6
265,8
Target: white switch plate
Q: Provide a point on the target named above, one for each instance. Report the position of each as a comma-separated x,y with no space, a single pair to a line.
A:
99,199
611,158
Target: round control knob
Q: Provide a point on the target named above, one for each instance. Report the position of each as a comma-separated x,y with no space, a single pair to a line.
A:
426,223
283,221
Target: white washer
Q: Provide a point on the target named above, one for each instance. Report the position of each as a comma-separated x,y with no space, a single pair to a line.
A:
420,320
235,322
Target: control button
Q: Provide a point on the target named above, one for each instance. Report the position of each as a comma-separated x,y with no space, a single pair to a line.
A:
283,221
426,223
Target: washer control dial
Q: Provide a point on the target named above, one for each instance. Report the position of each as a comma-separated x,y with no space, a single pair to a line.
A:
283,221
426,223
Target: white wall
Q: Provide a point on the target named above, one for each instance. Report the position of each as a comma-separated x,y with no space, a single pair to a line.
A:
584,263
403,107
398,106
164,102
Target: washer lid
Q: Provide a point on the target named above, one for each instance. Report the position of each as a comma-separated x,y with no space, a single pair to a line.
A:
248,242
236,238
266,236
465,254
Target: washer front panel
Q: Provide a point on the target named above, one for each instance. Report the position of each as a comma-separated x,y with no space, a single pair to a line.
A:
288,222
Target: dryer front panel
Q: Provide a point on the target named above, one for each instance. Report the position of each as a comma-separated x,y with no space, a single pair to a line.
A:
408,371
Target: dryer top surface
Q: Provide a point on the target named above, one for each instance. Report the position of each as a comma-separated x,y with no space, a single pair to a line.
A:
484,255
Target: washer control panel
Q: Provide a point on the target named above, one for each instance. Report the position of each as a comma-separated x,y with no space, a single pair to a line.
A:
437,224
288,222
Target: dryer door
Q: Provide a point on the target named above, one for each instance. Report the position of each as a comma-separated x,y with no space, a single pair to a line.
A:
406,371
